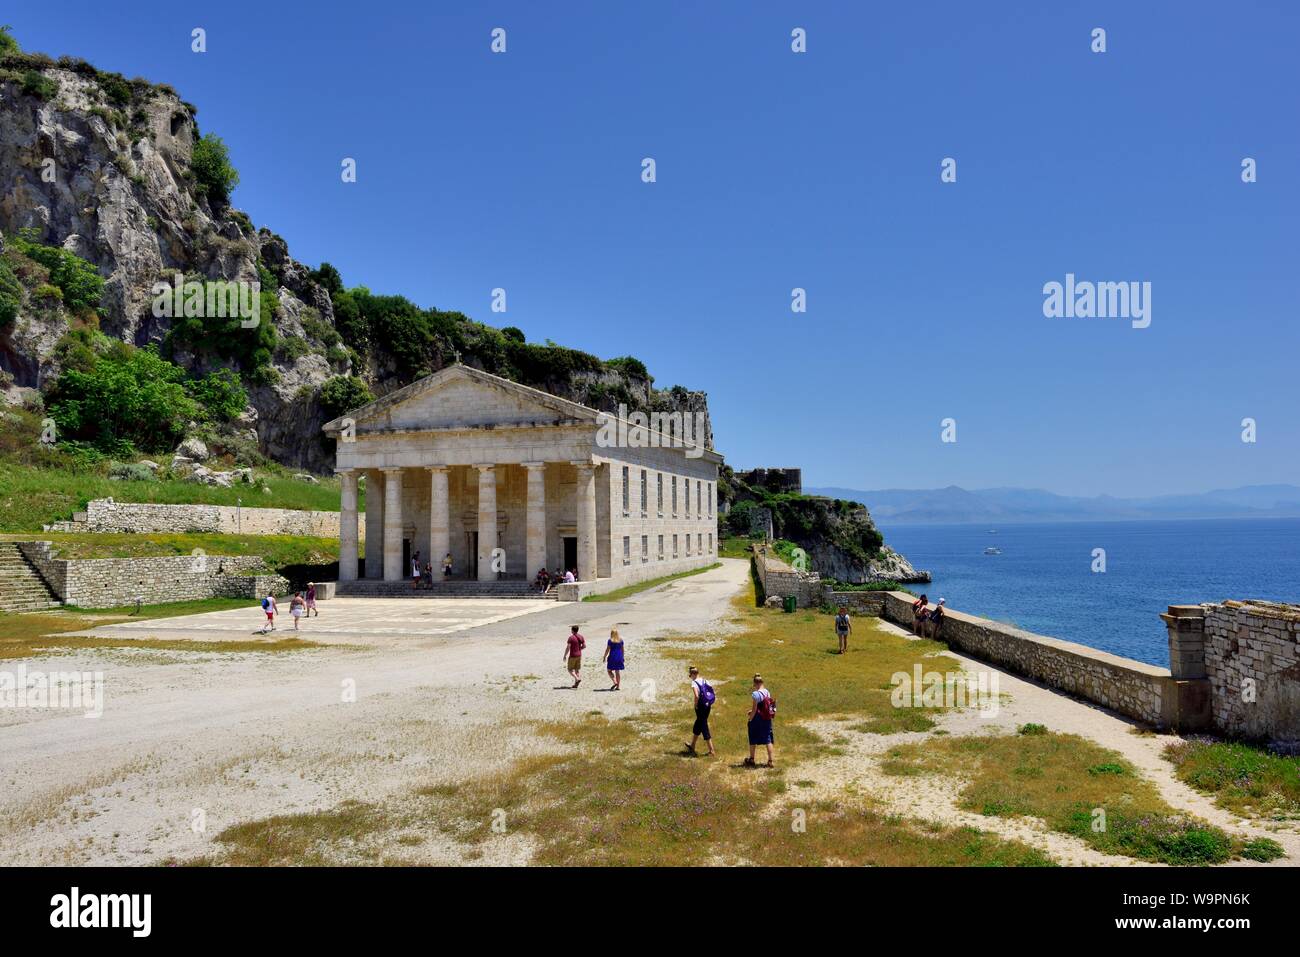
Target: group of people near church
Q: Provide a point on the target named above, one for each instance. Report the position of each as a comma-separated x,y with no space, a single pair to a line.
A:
762,706
545,581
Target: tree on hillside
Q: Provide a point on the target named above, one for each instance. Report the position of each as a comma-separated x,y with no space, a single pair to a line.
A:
8,44
213,171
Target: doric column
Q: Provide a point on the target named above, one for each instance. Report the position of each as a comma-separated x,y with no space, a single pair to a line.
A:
487,521
347,525
374,524
393,570
535,550
586,496
439,519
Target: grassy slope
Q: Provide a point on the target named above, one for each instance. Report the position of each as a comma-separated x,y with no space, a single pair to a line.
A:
277,550
32,496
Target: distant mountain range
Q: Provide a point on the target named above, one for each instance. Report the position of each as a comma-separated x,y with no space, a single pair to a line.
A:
958,506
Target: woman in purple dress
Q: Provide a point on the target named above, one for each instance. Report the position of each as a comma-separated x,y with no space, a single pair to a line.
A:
614,660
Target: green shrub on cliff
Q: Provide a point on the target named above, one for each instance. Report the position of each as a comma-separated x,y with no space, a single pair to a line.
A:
342,394
214,174
8,44
11,295
79,283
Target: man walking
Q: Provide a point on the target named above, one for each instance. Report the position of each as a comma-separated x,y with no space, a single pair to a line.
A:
573,654
842,628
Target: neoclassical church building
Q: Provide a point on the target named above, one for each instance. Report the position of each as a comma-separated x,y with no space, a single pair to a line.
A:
508,479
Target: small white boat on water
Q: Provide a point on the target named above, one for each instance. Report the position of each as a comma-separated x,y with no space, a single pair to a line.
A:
992,551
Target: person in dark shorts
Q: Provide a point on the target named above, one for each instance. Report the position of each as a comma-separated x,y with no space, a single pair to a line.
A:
919,615
573,654
935,619
842,628
703,698
762,708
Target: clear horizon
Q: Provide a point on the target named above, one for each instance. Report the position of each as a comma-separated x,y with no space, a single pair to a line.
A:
817,170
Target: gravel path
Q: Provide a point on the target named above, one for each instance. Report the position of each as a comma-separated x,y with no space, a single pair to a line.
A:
445,690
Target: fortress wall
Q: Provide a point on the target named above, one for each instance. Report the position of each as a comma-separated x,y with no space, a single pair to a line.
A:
1252,662
1132,688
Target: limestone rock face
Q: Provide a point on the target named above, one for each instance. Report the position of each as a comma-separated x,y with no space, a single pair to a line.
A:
123,196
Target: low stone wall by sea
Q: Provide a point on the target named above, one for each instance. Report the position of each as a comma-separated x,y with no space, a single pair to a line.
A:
1132,688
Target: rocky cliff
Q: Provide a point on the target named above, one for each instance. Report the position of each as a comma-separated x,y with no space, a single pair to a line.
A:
839,536
104,167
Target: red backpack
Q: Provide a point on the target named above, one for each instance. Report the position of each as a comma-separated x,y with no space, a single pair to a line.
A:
767,707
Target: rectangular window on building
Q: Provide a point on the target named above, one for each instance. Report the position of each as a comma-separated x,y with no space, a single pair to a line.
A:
627,550
644,494
661,548
645,548
686,488
710,543
674,546
699,499
627,504
660,499
710,497
674,497
688,545
699,543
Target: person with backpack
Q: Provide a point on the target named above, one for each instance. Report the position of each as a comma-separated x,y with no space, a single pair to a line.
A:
614,660
762,709
703,697
573,654
842,628
268,606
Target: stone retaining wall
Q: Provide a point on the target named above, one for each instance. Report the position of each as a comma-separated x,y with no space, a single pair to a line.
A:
106,515
112,582
1132,688
858,602
779,580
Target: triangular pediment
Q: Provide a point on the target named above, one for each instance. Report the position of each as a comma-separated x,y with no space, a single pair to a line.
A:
463,397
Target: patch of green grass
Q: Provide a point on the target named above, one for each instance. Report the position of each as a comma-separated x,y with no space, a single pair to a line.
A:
1242,778
620,593
32,495
1262,849
1074,785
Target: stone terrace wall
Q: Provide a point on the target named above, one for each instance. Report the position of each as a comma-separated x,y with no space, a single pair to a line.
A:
1133,688
1252,660
111,582
106,515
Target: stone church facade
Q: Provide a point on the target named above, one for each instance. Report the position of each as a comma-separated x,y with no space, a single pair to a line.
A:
508,479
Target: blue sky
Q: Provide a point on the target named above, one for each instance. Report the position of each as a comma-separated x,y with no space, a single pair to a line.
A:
817,170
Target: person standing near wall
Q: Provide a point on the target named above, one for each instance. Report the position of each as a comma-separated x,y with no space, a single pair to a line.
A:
843,627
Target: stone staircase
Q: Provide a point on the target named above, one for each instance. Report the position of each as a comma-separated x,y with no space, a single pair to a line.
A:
21,587
371,588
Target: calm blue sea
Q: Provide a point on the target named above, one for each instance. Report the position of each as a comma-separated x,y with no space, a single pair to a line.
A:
1043,581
